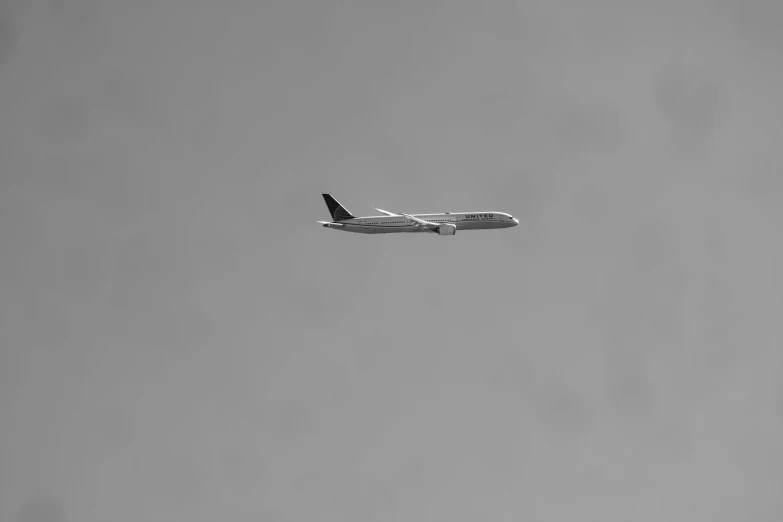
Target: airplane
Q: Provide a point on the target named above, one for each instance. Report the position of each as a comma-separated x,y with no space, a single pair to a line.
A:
444,224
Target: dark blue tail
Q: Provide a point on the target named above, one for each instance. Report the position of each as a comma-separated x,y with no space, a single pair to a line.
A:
338,212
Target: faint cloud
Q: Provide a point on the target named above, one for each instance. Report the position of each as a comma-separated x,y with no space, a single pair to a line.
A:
592,204
651,247
562,409
115,425
290,420
779,403
690,101
74,12
585,126
41,509
758,21
498,113
530,192
10,10
765,182
7,38
64,119
121,93
111,96
629,383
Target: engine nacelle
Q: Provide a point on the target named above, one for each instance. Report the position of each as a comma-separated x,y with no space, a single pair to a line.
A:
447,229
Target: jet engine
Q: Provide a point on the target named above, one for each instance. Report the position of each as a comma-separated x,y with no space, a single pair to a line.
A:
447,229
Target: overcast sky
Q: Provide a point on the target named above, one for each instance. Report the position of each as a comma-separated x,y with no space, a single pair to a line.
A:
181,341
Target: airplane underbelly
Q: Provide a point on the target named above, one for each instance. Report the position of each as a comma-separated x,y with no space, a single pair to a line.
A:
375,229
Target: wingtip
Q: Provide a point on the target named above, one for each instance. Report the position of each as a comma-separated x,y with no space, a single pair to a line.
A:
386,212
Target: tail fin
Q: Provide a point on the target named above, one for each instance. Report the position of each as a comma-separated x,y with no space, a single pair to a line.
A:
338,212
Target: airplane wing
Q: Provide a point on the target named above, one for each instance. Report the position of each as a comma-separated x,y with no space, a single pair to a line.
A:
432,227
386,212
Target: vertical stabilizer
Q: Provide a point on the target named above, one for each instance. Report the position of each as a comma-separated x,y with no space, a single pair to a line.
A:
337,211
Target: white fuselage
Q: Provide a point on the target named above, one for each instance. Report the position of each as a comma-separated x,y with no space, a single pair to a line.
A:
394,224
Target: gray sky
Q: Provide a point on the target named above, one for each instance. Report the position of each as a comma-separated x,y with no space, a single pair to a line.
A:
179,340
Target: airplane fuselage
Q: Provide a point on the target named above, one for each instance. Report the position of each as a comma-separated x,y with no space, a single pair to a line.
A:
395,224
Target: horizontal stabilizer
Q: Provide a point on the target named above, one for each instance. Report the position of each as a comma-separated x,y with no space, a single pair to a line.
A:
330,224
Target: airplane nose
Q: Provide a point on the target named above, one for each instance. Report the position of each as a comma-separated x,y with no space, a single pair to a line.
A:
515,220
